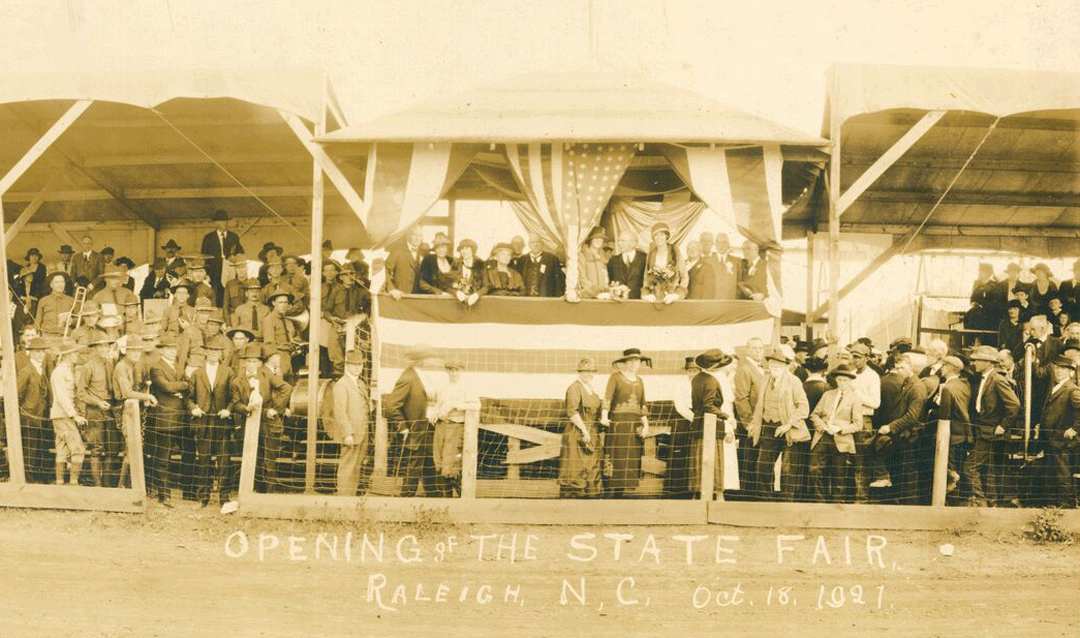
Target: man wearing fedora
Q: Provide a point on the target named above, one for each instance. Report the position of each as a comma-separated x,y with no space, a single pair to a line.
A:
167,418
893,455
779,418
259,390
348,424
209,406
540,270
173,260
131,386
1060,416
64,266
156,284
954,397
32,380
836,419
409,410
403,264
218,245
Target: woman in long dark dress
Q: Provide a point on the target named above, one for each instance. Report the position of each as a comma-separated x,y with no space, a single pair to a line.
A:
1043,288
628,424
437,269
31,284
579,467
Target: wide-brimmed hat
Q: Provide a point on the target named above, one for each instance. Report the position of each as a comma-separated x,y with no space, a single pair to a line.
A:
33,251
252,351
354,357
61,273
110,321
124,262
66,250
103,340
803,346
216,316
252,284
38,343
468,242
186,285
713,359
171,245
219,216
631,354
843,370
984,353
816,364
1062,361
1042,267
859,349
168,340
112,270
90,307
420,352
231,332
690,364
203,304
280,292
586,365
218,342
596,231
67,345
776,353
135,342
660,227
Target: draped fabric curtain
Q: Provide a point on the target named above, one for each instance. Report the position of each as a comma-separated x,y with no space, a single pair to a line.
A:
637,216
403,181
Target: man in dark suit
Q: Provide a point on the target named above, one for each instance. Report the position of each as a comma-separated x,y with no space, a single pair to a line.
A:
209,403
1045,346
218,245
403,264
753,273
701,280
628,266
1059,429
173,260
406,409
32,380
540,271
726,266
270,403
894,455
988,298
994,409
953,398
1069,291
87,266
168,386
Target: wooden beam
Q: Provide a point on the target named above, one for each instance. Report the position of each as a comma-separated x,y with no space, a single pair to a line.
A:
31,208
43,144
10,390
899,242
64,235
340,182
226,192
523,432
810,297
1069,232
532,454
1062,165
315,325
254,118
169,159
470,451
833,332
975,198
71,497
886,160
709,461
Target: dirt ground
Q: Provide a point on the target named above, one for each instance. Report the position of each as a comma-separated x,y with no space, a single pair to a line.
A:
190,572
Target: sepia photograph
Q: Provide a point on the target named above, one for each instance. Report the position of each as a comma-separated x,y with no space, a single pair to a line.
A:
492,318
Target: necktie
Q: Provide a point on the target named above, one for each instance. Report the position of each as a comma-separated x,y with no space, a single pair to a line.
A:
254,318
626,259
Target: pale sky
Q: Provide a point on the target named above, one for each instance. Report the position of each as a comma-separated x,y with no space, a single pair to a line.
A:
767,57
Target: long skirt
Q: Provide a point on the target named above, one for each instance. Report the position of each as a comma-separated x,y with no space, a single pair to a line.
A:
579,468
623,448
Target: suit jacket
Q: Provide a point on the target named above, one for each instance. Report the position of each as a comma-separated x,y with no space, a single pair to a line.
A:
727,270
999,406
154,287
543,278
403,269
847,414
747,379
33,388
89,267
350,416
990,296
794,408
1011,336
632,276
891,383
213,249
954,402
406,406
706,397
211,396
274,390
702,281
165,383
905,419
757,281
1070,297
1061,412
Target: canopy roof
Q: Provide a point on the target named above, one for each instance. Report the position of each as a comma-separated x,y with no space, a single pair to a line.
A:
164,145
1019,192
575,105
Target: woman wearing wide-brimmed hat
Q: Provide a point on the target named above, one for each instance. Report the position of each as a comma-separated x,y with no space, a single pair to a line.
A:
664,270
31,284
624,415
592,267
1043,288
468,274
579,466
437,268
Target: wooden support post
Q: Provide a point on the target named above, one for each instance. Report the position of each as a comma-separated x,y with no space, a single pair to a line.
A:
135,449
470,451
451,219
941,463
43,144
337,178
315,315
12,418
513,472
778,320
810,299
709,462
834,231
382,429
31,208
250,454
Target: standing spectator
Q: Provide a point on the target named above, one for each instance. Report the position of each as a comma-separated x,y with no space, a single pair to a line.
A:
180,313
64,266
468,274
209,405
449,438
867,385
257,390
779,418
954,397
935,354
593,280
167,421
663,269
1012,280
131,383
32,285
54,310
836,418
1042,288
270,252
1011,329
403,263
501,278
753,273
32,381
627,268
407,412
729,268
1070,292
893,455
125,265
297,281
1059,428
623,414
196,267
579,464
517,243
700,278
94,402
218,245
108,253
987,300
540,270
1022,291
706,397
348,426
748,378
65,417
436,269
112,290
88,264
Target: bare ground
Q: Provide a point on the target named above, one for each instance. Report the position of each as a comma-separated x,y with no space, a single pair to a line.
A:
168,574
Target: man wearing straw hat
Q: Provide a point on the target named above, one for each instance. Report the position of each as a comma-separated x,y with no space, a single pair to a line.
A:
836,418
348,425
65,417
449,435
409,408
208,405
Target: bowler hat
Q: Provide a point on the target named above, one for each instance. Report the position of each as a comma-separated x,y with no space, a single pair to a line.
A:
220,216
253,351
713,359
66,250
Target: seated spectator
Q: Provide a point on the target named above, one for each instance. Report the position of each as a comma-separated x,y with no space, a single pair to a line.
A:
1011,328
156,284
181,312
1070,292
663,268
349,297
627,268
700,277
753,273
1043,287
501,279
125,265
540,270
518,245
1053,312
987,300
251,315
468,274
269,251
293,275
234,294
436,269
592,269
200,284
1027,310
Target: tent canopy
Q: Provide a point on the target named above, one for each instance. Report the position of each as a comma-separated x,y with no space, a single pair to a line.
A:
1015,187
164,146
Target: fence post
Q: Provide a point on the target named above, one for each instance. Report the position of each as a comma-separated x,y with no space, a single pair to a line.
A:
250,456
708,458
941,463
469,451
131,421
